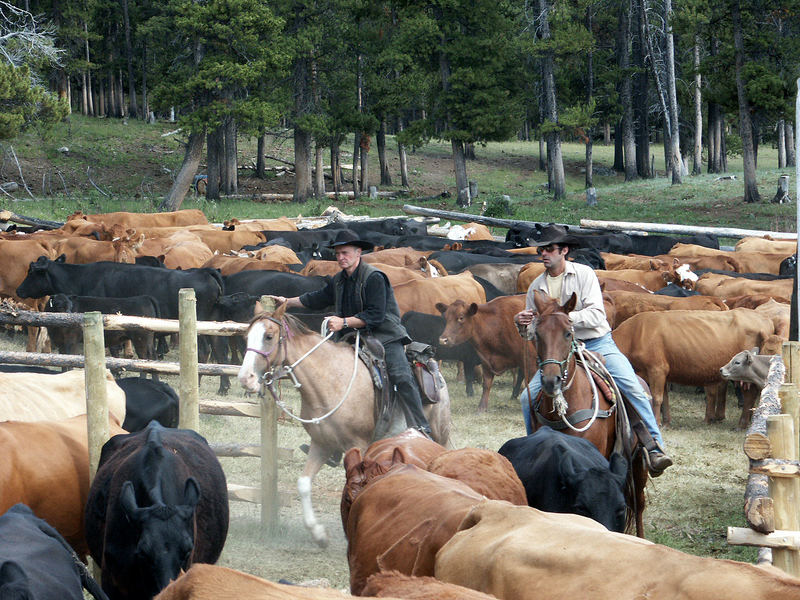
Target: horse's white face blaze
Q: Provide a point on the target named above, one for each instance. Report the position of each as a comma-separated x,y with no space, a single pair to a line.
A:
262,336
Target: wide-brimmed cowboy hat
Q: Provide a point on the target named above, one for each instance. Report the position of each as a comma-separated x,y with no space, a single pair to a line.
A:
347,237
555,234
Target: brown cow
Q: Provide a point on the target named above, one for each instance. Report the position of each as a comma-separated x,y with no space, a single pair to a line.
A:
210,582
527,274
765,244
520,553
491,330
423,295
779,313
652,280
401,519
275,253
46,466
228,265
634,261
279,224
395,584
689,347
727,262
485,471
750,300
749,262
397,275
178,218
627,304
408,447
501,275
399,257
724,286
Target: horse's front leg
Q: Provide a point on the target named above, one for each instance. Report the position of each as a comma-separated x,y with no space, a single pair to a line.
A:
316,458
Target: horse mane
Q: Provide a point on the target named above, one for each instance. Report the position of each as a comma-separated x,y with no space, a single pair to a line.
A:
294,324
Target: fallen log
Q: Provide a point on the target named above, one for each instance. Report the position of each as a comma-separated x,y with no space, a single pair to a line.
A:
7,215
731,232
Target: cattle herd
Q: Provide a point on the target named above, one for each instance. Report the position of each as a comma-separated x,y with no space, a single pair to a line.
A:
421,520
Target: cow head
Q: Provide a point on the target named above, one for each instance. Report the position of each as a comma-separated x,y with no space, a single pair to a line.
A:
59,303
597,493
739,366
38,282
459,322
165,535
359,472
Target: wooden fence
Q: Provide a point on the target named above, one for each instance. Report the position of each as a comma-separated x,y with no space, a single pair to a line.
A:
772,494
95,362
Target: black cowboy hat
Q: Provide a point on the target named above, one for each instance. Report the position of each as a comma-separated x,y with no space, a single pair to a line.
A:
347,237
555,234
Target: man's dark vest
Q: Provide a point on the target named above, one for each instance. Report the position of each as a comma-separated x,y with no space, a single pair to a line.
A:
391,329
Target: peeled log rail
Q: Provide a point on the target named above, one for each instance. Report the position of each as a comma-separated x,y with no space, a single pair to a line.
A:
468,218
123,364
731,232
7,215
758,506
118,322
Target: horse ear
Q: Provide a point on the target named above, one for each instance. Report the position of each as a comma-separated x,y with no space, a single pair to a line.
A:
279,312
258,309
539,300
570,305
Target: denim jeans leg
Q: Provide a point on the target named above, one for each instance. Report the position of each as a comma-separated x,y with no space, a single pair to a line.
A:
526,398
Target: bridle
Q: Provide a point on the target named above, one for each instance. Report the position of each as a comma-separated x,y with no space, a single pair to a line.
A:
277,372
559,402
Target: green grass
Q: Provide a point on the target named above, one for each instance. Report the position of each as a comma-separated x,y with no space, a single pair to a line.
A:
133,163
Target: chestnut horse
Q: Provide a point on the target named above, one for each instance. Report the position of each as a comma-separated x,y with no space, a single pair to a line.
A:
337,395
568,388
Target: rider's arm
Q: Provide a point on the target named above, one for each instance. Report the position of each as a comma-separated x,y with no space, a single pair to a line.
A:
319,299
592,313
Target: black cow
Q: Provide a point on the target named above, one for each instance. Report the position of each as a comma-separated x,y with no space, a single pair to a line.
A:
567,474
788,266
27,369
456,262
158,504
69,340
119,280
275,283
489,288
675,291
753,276
390,226
426,328
36,563
147,400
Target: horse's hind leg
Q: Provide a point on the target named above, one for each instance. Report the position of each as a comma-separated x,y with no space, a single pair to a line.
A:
316,457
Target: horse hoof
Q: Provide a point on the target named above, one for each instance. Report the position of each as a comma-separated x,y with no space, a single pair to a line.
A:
481,409
319,535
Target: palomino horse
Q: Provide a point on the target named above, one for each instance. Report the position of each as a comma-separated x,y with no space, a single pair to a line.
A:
567,389
336,390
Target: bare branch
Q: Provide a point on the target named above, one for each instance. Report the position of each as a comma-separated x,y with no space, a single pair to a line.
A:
14,154
107,195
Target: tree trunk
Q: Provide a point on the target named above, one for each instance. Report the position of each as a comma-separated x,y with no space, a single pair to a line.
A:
112,96
542,154
781,144
356,162
145,105
231,157
745,127
623,43
319,172
364,160
336,165
214,151
697,162
555,164
790,154
469,151
120,95
460,164
606,134
589,93
386,176
185,178
133,109
401,151
84,94
89,105
261,166
674,128
619,158
641,100
303,188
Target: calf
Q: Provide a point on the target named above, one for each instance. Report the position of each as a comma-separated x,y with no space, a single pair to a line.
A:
748,367
422,327
69,340
490,329
36,563
158,504
567,474
147,400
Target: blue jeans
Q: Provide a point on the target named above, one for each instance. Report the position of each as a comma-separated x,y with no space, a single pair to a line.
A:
623,374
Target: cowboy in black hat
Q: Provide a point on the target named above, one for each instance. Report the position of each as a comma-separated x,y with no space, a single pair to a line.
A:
560,280
363,299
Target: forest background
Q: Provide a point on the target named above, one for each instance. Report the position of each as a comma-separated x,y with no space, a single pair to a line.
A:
684,87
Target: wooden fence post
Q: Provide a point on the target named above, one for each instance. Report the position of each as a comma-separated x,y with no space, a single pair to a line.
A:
785,491
269,452
96,394
189,386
